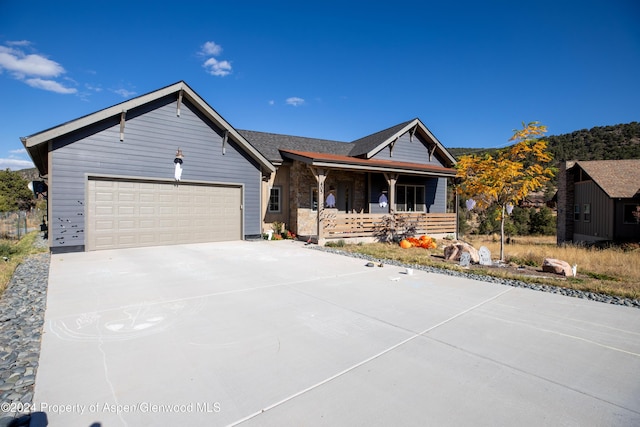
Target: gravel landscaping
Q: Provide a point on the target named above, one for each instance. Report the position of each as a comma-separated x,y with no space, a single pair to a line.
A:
21,319
608,299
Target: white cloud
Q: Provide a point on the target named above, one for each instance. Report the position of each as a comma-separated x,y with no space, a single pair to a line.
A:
21,64
15,164
50,85
295,101
19,43
272,102
124,93
18,151
211,49
217,68
33,69
92,88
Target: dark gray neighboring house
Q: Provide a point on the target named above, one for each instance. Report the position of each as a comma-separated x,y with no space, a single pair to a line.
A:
599,200
111,175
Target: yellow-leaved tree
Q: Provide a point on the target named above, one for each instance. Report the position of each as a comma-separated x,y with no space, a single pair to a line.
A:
509,176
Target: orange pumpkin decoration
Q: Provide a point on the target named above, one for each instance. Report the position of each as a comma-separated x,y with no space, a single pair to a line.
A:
405,244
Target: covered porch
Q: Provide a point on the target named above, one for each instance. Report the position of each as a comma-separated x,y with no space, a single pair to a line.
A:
350,199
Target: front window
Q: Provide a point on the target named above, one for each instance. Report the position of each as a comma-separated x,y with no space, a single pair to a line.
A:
632,214
576,212
587,213
275,199
410,198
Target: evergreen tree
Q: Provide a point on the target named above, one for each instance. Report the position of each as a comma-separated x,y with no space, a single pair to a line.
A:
14,193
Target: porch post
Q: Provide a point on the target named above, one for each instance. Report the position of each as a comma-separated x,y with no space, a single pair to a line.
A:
392,178
320,176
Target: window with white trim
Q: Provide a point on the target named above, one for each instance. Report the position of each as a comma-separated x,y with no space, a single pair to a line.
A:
275,199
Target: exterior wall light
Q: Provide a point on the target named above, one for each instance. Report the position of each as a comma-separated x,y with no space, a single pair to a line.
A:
178,163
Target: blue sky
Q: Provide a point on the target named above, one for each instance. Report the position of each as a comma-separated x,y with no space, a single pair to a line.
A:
471,71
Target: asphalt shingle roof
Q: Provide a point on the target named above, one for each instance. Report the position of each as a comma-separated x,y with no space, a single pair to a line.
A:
618,178
269,144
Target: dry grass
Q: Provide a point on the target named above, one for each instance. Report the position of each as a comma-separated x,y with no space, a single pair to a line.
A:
16,252
611,271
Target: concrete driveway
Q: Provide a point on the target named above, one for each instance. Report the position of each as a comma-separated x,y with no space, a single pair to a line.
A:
276,334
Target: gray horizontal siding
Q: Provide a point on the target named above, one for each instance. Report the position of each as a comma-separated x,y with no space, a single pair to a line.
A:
151,137
436,199
407,150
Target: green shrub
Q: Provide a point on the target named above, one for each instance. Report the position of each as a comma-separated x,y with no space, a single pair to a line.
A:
7,249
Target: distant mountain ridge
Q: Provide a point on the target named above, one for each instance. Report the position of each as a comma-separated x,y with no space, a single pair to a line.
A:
615,142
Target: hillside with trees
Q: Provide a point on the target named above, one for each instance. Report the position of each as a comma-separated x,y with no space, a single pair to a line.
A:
599,143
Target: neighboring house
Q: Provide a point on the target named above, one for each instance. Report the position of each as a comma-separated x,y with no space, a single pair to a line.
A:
599,200
112,175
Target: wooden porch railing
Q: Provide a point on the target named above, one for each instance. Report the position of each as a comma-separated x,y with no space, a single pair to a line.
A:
366,225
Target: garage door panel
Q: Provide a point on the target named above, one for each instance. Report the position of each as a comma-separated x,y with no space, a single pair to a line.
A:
125,214
126,210
104,225
147,223
126,224
104,197
104,210
147,210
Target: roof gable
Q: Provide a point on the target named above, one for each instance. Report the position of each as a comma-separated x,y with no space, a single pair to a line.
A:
271,144
617,178
369,146
37,144
375,142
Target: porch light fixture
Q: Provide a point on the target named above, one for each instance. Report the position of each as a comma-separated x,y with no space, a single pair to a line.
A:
178,162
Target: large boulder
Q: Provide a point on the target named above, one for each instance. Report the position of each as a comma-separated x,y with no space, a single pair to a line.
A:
557,266
452,252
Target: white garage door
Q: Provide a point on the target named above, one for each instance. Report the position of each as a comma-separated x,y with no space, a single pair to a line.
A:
126,214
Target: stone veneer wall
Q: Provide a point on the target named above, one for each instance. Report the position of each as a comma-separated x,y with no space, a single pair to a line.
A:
303,219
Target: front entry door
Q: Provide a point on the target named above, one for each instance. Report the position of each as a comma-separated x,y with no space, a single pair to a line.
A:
344,198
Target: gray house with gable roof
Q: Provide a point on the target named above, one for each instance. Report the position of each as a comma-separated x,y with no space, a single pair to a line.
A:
165,168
